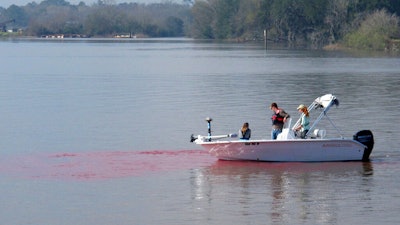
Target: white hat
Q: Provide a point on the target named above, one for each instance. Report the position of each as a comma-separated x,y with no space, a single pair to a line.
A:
301,107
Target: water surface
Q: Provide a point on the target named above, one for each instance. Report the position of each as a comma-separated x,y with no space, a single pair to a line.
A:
97,132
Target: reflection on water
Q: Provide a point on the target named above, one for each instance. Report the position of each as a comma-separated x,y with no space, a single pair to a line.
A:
286,192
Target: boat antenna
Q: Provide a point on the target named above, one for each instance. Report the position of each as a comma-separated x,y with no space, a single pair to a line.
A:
208,119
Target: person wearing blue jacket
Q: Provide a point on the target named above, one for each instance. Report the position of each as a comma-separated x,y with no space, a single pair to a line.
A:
245,132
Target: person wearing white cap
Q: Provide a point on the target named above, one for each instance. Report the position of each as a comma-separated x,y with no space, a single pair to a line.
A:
304,125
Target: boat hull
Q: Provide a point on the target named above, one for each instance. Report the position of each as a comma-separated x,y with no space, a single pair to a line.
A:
295,150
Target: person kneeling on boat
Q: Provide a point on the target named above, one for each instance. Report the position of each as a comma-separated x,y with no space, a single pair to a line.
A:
304,125
245,132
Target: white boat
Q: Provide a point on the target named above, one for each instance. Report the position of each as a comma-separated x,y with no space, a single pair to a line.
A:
289,148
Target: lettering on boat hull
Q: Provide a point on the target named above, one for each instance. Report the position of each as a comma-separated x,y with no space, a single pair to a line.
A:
336,145
252,143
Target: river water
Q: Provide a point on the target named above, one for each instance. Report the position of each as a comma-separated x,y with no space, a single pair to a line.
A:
97,132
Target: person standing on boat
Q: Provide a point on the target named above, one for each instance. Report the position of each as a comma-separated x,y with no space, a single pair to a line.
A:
278,118
304,125
245,132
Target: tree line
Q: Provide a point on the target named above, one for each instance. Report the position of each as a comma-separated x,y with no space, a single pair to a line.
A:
297,22
104,18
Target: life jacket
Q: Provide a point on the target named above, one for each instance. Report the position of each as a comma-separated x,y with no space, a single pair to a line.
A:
277,119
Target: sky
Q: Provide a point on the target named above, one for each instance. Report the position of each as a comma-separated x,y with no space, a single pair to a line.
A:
7,3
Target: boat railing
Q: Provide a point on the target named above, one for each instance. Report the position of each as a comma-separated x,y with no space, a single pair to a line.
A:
288,123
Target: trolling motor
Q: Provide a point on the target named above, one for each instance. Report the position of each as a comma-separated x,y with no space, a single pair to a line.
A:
208,119
209,137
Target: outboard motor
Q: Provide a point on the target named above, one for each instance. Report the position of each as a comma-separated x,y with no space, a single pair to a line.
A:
366,138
